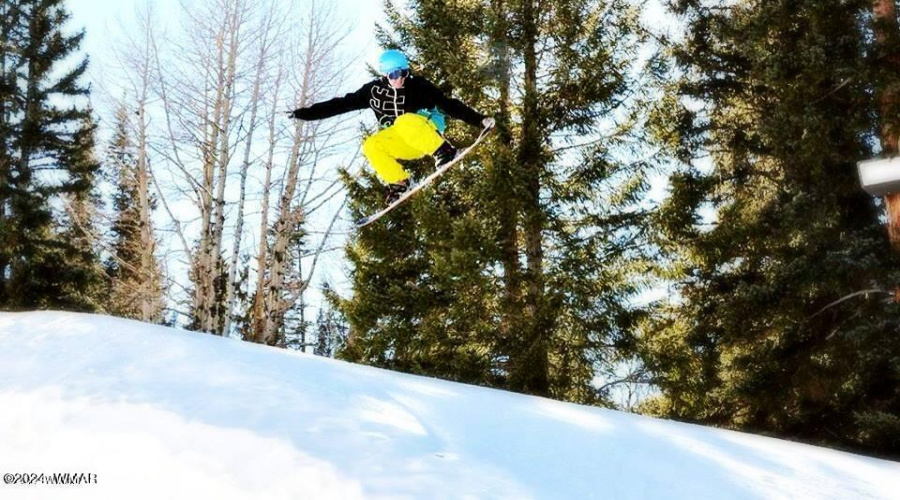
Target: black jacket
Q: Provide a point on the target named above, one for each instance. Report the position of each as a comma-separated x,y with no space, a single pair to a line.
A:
388,103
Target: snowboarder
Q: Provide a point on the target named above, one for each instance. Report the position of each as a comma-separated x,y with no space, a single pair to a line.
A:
409,111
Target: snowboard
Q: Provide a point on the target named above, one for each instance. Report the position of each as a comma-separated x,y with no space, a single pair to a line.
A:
365,221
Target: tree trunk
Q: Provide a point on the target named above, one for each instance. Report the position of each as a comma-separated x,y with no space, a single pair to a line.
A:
239,225
258,317
150,304
221,305
262,57
209,271
5,157
289,217
886,35
532,375
148,271
508,230
202,269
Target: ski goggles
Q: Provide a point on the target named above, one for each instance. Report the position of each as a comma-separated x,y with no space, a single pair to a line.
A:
398,73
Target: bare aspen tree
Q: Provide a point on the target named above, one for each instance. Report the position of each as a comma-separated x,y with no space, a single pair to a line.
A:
138,287
258,316
208,307
281,282
270,31
199,91
229,167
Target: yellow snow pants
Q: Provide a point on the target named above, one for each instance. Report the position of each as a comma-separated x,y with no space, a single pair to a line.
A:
411,137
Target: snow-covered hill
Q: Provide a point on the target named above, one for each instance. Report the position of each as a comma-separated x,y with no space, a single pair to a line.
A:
161,413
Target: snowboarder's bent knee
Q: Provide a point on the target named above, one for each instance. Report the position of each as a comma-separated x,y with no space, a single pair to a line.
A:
410,111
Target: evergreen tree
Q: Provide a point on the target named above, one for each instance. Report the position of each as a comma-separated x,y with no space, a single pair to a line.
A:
294,326
134,273
9,57
83,283
331,332
46,140
779,259
513,271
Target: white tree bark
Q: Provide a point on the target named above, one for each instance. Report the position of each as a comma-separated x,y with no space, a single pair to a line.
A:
136,58
218,86
281,285
270,31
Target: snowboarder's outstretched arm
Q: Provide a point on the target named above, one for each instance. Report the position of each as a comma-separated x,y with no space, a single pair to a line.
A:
333,107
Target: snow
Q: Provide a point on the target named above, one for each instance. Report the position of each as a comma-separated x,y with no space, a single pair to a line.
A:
161,413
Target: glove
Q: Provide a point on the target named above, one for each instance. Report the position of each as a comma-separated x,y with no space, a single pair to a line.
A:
297,114
488,122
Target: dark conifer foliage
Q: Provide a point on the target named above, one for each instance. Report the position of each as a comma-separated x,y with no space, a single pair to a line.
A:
514,269
331,332
47,162
781,265
133,271
83,282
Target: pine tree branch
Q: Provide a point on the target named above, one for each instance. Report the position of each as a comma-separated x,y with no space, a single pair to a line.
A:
162,198
318,252
848,297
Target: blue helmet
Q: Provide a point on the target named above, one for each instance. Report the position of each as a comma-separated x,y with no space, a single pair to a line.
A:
391,60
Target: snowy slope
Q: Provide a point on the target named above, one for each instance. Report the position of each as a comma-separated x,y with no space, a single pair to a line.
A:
160,413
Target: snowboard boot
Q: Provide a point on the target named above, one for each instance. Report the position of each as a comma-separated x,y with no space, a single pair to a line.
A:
395,191
445,154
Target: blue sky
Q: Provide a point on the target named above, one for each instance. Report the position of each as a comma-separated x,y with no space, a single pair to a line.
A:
103,18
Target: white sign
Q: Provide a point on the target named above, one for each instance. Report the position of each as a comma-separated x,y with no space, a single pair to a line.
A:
880,176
